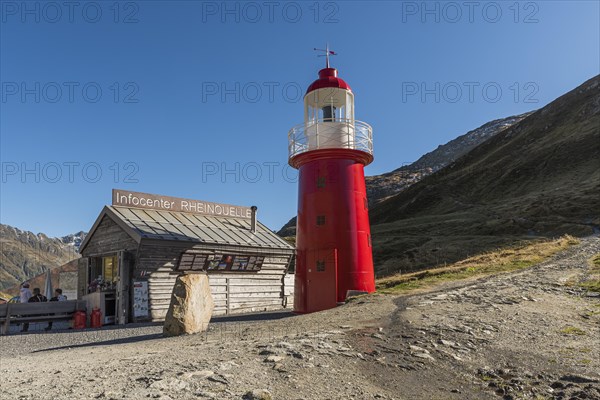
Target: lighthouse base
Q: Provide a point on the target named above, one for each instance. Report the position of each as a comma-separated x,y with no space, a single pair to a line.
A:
317,282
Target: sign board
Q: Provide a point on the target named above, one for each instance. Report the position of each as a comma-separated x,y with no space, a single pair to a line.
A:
220,262
140,299
166,203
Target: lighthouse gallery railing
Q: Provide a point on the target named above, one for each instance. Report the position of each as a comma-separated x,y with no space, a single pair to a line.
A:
325,134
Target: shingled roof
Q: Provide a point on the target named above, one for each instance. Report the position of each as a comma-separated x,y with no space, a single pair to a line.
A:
180,226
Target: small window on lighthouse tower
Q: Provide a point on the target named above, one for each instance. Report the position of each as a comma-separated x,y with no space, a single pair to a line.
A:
320,220
320,182
320,266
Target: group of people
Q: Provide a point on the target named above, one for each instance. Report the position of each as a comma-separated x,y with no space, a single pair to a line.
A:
26,296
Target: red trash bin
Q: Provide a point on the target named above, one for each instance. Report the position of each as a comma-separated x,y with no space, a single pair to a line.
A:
96,318
79,319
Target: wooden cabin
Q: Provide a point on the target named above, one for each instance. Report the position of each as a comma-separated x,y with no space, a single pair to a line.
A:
140,244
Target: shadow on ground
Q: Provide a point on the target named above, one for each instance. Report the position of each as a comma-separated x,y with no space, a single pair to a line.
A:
214,328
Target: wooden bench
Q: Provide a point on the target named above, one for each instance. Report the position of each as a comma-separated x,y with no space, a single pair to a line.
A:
38,312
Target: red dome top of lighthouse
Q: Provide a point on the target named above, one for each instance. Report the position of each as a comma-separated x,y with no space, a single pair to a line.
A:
328,78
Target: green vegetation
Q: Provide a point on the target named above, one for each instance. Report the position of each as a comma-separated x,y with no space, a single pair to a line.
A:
290,239
593,282
485,264
572,330
595,264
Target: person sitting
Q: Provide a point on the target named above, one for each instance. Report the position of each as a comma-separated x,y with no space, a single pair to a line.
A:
37,297
58,296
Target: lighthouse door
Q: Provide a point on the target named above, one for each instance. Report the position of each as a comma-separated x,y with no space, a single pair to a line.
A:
321,279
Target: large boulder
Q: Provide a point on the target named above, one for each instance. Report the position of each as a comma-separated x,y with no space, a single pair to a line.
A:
191,306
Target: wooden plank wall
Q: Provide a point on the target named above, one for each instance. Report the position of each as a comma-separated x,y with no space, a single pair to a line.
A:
250,292
288,292
233,292
108,238
156,264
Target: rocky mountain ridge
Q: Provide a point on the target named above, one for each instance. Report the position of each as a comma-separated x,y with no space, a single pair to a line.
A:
380,187
24,254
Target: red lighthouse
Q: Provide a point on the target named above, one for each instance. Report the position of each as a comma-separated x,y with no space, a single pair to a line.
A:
330,150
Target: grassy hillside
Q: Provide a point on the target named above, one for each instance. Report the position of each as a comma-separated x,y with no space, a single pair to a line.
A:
505,260
539,178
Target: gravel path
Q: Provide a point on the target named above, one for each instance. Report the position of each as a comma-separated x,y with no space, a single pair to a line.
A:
511,336
526,335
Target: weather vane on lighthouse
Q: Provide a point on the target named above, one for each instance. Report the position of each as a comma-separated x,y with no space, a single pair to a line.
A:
326,55
333,242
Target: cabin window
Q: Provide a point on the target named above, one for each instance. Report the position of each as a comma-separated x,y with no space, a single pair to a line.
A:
109,269
103,274
320,266
320,220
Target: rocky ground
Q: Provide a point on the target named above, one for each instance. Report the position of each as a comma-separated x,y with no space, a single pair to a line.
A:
532,334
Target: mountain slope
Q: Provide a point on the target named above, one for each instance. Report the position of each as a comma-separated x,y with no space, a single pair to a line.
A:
538,178
24,254
382,186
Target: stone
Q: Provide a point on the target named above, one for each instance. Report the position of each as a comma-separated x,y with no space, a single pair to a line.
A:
424,356
191,306
279,367
273,359
198,374
219,379
579,379
447,342
227,365
285,345
258,394
172,384
206,394
418,349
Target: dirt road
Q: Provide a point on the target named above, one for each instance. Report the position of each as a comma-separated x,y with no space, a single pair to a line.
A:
533,334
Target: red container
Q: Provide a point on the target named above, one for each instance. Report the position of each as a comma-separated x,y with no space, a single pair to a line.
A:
96,318
79,319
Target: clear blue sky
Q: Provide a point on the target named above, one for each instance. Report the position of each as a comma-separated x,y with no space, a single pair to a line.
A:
162,116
